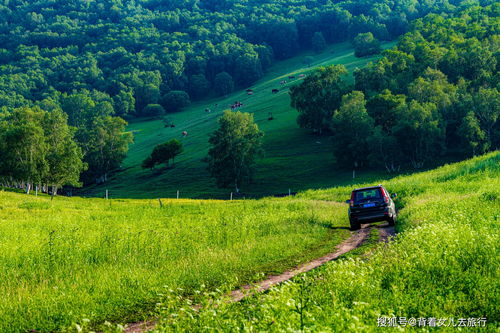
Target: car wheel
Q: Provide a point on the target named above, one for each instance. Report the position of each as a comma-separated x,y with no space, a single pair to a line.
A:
355,225
392,220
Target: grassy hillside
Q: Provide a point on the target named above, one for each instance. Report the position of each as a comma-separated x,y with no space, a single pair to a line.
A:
70,258
444,265
295,158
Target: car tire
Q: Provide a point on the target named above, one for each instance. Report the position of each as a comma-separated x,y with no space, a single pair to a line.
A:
355,225
392,220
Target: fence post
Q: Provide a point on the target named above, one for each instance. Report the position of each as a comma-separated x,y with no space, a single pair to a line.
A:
161,203
231,196
177,194
289,192
36,191
106,194
353,174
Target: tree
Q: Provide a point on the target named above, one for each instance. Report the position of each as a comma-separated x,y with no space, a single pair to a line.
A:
383,109
23,147
487,110
148,163
153,110
352,128
365,44
248,69
175,100
223,84
163,153
419,132
198,86
106,146
473,137
64,156
318,42
124,103
385,150
318,95
235,146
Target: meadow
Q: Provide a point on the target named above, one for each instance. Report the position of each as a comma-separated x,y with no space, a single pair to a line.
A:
69,259
291,153
441,269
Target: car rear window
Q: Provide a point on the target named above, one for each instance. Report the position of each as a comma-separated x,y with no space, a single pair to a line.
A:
373,193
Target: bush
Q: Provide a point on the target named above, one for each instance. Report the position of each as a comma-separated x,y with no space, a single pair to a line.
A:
175,100
365,44
153,110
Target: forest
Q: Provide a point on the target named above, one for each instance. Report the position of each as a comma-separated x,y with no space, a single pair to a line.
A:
434,94
100,61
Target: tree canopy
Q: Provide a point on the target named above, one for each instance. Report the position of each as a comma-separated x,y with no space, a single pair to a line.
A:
234,148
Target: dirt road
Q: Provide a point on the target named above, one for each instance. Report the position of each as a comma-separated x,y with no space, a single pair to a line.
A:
353,242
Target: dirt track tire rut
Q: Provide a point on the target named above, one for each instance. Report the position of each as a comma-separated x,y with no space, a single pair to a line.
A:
353,242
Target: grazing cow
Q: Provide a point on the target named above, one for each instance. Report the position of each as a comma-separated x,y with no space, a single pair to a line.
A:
270,116
184,133
236,105
275,91
207,110
283,82
249,90
250,93
172,126
291,77
302,76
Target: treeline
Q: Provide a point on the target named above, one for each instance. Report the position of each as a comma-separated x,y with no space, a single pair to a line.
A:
151,56
66,141
435,93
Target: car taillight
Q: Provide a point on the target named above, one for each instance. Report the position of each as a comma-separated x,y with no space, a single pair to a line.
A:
386,197
352,199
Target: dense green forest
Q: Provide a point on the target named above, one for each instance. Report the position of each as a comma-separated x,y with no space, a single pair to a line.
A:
435,93
100,61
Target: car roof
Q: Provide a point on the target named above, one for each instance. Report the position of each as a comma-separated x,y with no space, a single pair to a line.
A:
367,188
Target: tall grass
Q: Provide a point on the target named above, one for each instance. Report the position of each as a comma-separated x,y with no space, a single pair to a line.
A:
444,264
72,258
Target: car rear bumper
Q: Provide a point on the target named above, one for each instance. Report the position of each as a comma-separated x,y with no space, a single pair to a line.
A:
371,217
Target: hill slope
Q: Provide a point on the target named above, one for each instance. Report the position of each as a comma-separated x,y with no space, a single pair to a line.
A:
292,154
442,269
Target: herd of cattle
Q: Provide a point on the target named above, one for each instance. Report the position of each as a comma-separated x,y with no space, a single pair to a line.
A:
237,104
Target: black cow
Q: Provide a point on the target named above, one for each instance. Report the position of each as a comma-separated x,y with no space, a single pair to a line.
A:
275,91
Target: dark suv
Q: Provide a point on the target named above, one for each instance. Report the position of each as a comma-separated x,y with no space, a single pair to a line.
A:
371,204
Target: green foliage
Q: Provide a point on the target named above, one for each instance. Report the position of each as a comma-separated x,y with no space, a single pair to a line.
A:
106,146
419,132
223,84
352,130
151,47
293,156
318,95
153,110
163,153
38,147
175,100
365,44
318,42
64,156
235,146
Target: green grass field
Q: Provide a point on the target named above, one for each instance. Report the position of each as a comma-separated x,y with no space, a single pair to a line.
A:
295,158
71,259
444,264
68,260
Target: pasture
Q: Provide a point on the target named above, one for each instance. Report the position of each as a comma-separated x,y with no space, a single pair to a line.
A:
69,259
442,270
292,154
